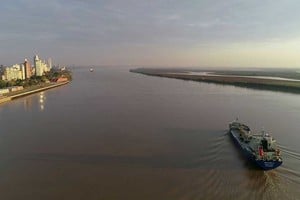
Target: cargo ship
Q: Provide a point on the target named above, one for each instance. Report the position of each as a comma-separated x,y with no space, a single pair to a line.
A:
260,149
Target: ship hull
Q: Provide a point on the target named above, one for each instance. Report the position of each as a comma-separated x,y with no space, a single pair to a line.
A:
265,165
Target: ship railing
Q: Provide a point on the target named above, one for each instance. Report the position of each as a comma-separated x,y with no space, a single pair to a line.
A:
257,135
271,156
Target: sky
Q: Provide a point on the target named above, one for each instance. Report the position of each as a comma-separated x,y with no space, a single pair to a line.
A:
141,33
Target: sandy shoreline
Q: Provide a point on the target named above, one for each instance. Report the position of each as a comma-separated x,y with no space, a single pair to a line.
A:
282,85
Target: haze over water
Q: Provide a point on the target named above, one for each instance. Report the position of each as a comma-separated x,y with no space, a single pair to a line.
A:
112,134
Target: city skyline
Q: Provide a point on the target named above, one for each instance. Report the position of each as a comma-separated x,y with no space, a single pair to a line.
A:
25,70
167,33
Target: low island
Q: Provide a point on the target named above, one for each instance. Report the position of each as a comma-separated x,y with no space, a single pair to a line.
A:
275,80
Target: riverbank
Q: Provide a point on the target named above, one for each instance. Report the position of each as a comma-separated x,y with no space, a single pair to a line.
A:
30,90
240,81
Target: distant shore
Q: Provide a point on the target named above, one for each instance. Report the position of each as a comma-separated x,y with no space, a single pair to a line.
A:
230,78
30,90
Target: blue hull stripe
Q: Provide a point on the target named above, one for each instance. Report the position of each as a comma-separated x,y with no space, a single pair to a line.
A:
265,165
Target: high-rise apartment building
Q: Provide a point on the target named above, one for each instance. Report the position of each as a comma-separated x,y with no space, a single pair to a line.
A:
49,63
14,72
40,66
28,70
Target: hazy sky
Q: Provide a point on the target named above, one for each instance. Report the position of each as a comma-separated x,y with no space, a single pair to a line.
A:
238,33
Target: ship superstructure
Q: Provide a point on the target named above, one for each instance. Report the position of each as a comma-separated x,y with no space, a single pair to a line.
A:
259,148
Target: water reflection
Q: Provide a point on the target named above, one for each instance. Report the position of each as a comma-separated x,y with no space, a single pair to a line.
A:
42,101
38,100
27,104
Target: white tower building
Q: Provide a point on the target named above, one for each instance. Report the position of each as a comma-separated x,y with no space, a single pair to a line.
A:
40,66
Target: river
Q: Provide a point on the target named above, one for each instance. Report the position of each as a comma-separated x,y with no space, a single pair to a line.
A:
112,134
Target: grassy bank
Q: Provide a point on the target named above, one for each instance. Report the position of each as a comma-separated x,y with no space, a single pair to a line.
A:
255,83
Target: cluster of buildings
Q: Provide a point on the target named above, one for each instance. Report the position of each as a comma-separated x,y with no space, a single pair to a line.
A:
25,70
10,89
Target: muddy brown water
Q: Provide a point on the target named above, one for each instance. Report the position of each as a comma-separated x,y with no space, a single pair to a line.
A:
112,134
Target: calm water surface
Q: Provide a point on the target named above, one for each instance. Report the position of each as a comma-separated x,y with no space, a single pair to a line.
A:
112,134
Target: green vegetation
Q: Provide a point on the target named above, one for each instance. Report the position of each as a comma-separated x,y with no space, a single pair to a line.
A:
50,76
55,74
